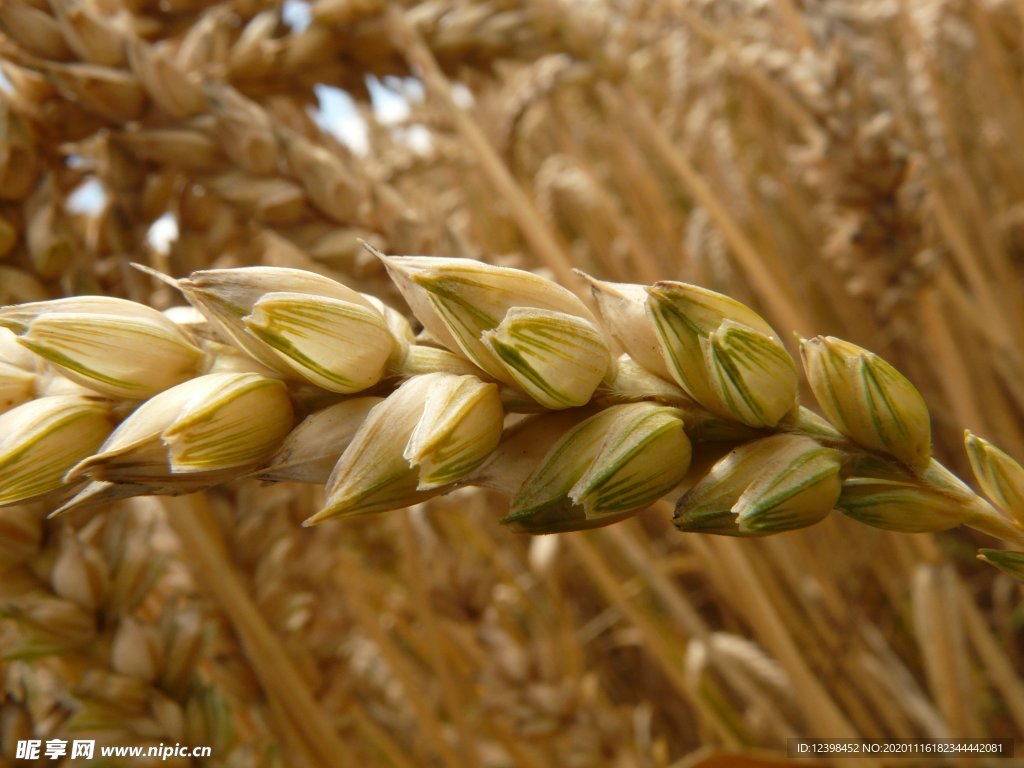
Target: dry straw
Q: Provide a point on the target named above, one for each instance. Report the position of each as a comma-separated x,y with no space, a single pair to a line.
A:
846,169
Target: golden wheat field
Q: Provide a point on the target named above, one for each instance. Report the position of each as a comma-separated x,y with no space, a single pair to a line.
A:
840,168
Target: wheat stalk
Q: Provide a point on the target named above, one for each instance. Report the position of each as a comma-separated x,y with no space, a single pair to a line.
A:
512,384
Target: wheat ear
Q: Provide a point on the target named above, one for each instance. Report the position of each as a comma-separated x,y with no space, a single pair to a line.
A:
513,383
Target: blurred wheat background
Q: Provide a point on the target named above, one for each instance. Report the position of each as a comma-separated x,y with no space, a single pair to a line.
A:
850,168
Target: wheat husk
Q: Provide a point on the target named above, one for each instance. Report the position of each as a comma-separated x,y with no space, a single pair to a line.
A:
846,170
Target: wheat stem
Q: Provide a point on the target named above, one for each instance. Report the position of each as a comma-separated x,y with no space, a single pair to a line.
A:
941,635
534,229
818,705
191,520
664,652
1001,669
450,686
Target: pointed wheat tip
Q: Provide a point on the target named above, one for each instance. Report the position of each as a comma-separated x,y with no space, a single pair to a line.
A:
375,251
314,519
90,494
78,471
1009,562
592,281
595,285
156,274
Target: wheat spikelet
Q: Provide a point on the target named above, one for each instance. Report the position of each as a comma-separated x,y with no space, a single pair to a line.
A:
515,343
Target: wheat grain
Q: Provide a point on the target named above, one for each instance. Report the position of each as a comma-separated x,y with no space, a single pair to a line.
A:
543,350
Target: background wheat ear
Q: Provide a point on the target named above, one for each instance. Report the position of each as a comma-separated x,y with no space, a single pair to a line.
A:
848,171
